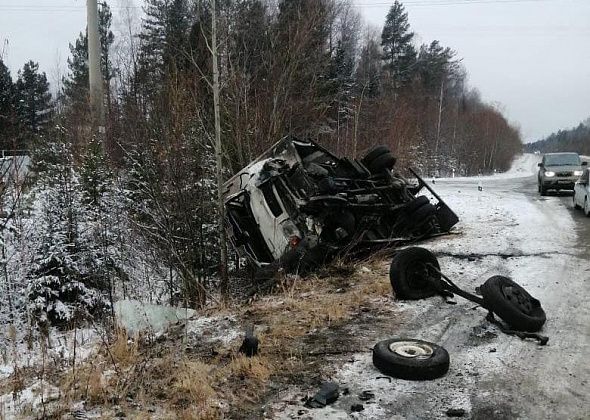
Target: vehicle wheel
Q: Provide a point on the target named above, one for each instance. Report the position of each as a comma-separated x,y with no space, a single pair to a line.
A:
411,359
420,215
576,205
513,304
586,207
542,190
374,153
379,164
409,273
415,204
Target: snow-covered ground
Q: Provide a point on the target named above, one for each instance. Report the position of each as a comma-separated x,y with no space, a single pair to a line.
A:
506,229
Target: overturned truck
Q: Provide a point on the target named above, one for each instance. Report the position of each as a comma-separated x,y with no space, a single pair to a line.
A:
298,205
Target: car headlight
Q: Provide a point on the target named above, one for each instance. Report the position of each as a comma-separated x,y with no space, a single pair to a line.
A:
549,173
578,173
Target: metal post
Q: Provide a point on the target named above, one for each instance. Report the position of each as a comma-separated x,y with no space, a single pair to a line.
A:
95,76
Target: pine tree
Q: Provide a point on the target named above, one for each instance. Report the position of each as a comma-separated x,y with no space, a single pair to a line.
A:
399,54
435,64
34,105
8,118
76,84
368,72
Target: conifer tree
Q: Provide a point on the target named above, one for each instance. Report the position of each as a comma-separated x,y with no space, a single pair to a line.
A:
34,105
399,54
8,119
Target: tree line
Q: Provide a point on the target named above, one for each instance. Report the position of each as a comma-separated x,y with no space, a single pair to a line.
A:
576,139
303,67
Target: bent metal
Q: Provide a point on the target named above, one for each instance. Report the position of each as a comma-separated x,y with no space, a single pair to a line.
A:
297,206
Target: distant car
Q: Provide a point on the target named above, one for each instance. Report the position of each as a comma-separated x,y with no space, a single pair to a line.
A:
582,192
559,171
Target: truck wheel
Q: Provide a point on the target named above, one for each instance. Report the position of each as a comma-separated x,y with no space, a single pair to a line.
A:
410,273
374,153
513,304
410,359
586,207
542,190
379,164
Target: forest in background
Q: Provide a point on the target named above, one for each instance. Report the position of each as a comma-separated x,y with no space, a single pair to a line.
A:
576,139
137,218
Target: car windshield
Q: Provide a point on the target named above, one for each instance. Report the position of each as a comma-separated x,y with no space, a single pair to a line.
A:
566,159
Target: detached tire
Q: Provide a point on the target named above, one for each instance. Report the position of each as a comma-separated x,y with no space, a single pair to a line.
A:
409,273
411,359
513,304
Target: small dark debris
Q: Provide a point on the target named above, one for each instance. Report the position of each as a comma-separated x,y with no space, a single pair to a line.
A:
366,395
355,408
120,414
327,394
345,391
493,350
384,377
455,412
249,346
301,412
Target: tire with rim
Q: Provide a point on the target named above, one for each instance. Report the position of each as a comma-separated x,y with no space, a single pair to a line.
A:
374,153
381,163
513,304
586,207
410,271
420,215
411,359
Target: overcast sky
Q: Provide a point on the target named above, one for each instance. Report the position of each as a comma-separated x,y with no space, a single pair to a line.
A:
531,57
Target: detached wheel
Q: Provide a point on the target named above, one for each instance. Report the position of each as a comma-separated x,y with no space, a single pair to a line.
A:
576,205
513,304
410,359
381,163
410,273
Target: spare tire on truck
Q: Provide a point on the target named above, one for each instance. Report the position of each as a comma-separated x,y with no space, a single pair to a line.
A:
412,273
410,359
513,304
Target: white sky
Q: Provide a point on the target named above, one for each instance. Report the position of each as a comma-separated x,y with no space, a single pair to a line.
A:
532,57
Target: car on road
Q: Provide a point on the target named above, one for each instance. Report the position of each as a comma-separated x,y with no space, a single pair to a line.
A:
298,205
559,171
582,192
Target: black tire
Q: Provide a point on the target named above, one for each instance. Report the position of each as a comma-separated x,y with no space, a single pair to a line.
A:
374,153
420,215
576,206
513,304
415,204
409,271
381,163
542,190
411,359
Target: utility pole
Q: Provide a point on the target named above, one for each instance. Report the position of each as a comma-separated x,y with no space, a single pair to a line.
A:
95,76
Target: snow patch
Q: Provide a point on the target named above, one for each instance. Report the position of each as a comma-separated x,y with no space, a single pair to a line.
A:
136,317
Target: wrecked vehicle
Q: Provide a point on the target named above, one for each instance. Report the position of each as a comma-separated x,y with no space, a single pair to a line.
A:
298,205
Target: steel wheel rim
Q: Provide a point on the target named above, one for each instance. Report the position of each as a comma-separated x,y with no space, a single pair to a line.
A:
411,349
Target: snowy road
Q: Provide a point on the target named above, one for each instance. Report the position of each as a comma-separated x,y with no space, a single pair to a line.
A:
542,243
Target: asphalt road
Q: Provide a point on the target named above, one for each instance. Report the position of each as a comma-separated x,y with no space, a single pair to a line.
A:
543,244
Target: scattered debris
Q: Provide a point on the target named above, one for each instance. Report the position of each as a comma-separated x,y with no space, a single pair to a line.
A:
356,408
455,412
328,393
249,346
366,395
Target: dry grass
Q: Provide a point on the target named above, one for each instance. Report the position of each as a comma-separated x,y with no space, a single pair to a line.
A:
191,386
